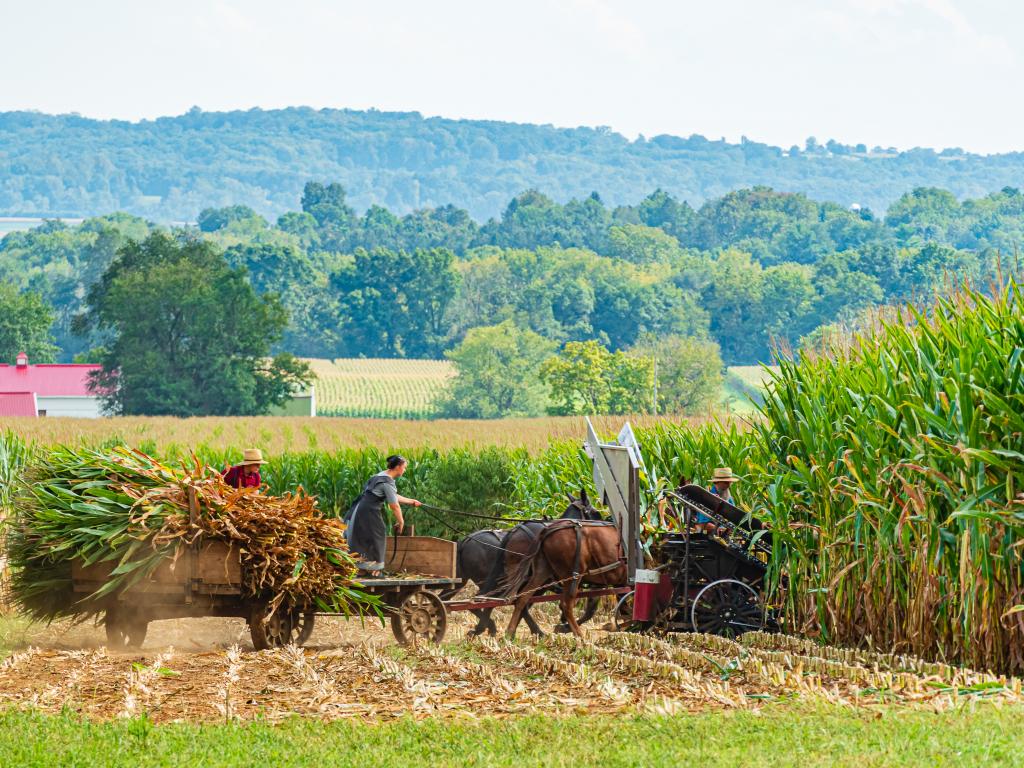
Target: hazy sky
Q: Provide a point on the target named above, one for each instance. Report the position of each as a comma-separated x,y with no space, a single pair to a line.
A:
892,72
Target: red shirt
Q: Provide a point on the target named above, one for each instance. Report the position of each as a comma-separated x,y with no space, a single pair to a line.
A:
237,477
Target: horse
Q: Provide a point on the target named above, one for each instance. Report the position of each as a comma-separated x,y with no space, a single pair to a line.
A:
567,553
484,556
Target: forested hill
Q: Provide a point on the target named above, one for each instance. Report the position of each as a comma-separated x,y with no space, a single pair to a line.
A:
171,168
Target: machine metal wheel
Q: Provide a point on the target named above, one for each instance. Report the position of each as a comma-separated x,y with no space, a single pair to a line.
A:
420,615
125,628
284,627
623,620
727,607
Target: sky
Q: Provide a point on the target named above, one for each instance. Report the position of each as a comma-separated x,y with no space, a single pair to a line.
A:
903,73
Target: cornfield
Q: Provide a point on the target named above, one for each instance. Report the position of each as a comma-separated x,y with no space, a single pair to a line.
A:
392,389
891,468
167,436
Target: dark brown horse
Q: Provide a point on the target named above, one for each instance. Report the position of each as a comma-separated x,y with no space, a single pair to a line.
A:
487,557
567,553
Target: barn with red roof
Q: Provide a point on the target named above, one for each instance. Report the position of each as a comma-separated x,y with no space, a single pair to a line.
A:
47,390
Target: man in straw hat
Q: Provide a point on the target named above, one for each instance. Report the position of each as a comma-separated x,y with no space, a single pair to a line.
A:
246,474
721,482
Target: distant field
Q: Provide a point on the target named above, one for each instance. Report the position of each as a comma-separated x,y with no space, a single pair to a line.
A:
406,389
743,387
388,389
277,434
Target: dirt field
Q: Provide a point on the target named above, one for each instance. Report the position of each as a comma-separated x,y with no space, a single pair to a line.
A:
205,670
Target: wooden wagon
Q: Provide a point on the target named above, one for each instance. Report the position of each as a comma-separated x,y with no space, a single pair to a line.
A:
206,580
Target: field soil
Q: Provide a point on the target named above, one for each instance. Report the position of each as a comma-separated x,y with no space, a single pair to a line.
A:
204,670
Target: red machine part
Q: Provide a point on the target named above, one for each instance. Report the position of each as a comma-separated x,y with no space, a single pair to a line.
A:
653,592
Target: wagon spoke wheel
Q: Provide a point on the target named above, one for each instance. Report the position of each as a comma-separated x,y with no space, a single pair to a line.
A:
304,627
727,607
420,615
125,629
284,627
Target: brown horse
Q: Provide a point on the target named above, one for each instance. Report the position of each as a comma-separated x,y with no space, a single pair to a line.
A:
567,553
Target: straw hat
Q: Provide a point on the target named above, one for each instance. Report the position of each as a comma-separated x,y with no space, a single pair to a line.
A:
252,456
724,475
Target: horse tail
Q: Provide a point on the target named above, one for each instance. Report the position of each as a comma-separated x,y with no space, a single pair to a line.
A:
520,576
493,580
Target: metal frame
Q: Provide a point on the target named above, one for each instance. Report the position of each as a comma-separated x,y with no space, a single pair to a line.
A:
617,478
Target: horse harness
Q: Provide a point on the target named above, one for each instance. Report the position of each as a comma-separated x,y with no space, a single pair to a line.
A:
577,577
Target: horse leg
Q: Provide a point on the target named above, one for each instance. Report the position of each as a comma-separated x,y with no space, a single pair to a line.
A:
532,623
532,587
481,622
590,609
568,608
517,612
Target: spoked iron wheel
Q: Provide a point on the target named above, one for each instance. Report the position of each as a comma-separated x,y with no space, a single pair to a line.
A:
420,615
125,628
727,607
304,627
284,627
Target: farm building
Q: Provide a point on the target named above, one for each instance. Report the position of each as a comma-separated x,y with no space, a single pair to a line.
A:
47,390
302,403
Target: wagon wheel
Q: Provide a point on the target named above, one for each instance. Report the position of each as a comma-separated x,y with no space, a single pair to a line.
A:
727,607
304,627
420,615
285,627
125,628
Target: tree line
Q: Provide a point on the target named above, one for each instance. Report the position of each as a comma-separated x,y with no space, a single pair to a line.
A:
170,168
614,293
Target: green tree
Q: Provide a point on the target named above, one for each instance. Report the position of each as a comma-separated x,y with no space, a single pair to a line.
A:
328,207
925,214
25,320
213,219
394,304
186,334
496,374
586,378
688,376
642,244
660,209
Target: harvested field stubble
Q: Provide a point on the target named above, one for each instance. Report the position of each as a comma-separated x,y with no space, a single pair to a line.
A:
555,675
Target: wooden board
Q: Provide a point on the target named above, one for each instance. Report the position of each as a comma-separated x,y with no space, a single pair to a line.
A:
216,565
424,555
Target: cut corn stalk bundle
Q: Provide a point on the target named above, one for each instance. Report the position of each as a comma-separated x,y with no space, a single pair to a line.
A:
123,507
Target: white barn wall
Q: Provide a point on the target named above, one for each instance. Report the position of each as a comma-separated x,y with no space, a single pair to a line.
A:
69,405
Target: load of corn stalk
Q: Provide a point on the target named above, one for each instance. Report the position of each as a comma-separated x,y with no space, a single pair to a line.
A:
123,507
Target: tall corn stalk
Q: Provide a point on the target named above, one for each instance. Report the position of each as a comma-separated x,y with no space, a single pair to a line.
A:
893,470
14,455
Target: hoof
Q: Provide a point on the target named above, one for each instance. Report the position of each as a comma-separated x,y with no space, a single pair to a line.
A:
562,629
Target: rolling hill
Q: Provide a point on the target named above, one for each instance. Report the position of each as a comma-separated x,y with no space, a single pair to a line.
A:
171,168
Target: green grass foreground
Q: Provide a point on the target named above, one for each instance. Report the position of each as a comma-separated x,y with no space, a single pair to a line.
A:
786,735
